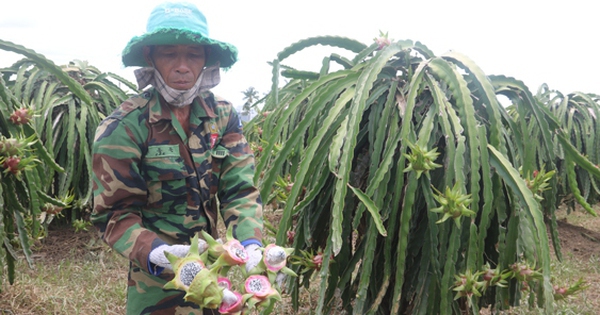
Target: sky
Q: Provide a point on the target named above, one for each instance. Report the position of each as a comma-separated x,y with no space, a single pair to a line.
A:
552,42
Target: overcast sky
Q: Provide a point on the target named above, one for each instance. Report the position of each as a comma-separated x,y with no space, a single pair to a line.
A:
553,42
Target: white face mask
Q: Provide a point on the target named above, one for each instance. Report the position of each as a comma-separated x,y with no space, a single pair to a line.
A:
177,98
209,78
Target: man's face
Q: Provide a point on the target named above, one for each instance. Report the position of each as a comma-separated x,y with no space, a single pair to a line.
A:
179,65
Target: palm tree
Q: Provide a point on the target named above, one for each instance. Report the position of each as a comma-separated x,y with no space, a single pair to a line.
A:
250,96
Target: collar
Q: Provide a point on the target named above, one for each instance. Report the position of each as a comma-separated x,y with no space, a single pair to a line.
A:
159,109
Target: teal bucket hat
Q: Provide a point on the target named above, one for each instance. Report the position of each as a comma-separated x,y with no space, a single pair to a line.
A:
178,23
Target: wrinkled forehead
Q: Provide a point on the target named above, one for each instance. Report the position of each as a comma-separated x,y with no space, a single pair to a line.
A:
178,47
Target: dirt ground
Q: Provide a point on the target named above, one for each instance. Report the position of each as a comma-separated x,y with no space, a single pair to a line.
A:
579,241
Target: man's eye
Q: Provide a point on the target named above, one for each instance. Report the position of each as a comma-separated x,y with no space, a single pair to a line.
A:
168,54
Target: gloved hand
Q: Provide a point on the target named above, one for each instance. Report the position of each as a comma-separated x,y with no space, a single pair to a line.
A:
157,255
254,256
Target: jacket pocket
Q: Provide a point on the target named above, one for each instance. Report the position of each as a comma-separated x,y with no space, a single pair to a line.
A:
166,178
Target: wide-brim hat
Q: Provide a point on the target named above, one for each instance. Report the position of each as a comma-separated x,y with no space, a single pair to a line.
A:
178,23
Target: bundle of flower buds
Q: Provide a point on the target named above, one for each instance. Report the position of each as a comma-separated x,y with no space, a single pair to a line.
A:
204,276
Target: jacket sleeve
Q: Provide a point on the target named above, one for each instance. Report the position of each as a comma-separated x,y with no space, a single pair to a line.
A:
241,205
120,192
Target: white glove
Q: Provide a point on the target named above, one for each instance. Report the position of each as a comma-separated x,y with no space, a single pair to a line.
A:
254,256
157,255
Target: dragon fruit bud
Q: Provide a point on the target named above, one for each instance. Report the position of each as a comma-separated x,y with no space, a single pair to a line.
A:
233,303
21,116
205,290
11,165
185,268
290,236
317,260
51,209
382,41
10,146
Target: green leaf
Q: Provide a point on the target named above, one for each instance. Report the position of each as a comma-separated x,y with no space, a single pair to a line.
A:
372,208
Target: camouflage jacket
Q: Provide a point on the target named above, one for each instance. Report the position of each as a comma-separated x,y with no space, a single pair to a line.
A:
154,185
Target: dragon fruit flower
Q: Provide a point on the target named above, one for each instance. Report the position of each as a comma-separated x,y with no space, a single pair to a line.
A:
232,303
185,268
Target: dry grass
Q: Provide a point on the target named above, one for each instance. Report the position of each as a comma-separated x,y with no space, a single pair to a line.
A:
76,274
68,278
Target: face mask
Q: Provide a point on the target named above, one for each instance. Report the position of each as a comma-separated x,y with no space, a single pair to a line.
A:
177,98
209,78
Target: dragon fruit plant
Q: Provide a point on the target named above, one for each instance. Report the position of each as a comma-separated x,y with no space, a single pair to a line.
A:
203,276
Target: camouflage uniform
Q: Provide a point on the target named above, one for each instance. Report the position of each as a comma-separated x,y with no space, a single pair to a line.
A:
154,185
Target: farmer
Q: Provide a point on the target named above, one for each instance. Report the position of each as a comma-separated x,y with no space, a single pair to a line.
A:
167,162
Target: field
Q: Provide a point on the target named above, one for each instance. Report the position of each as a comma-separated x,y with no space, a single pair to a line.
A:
76,274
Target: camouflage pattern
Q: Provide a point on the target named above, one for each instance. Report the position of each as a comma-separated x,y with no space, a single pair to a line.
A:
154,185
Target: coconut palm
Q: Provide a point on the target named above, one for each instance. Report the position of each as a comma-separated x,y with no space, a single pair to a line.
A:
250,97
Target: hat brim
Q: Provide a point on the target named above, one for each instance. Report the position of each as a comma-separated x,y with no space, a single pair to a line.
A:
133,56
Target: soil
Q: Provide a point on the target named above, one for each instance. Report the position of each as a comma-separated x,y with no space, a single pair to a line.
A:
578,241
